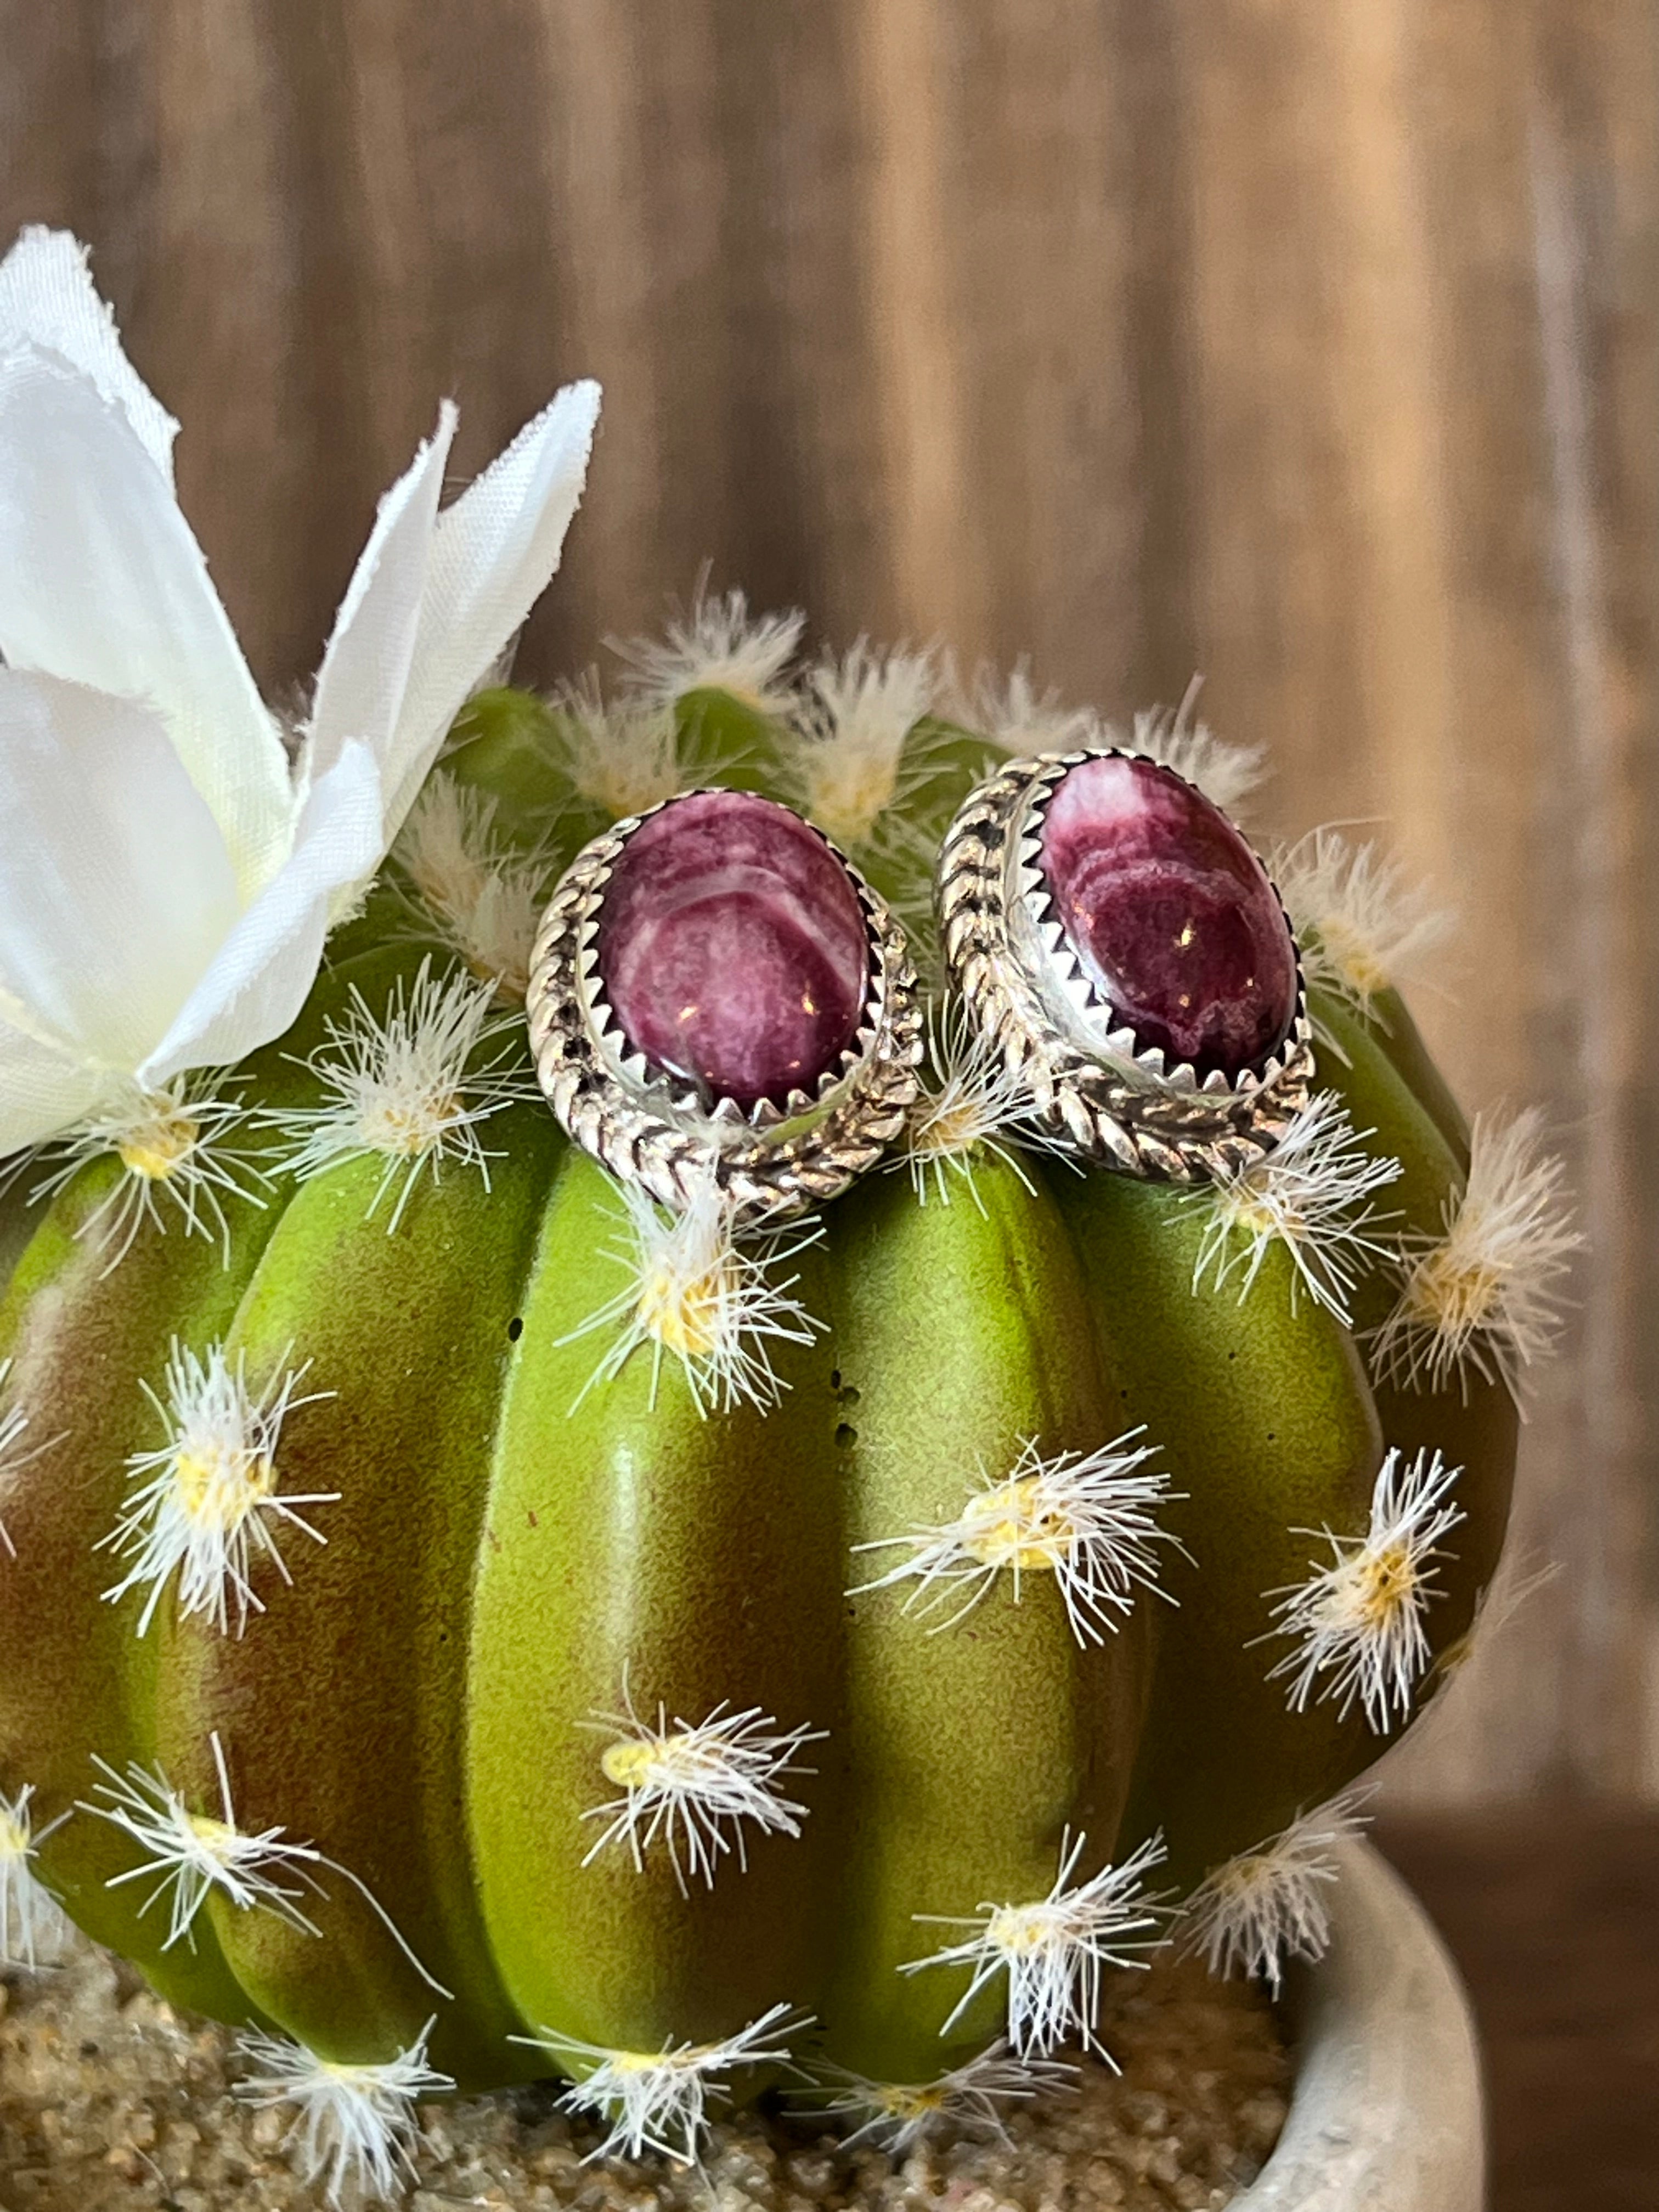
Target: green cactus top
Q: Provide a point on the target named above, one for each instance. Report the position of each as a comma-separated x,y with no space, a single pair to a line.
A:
465,1623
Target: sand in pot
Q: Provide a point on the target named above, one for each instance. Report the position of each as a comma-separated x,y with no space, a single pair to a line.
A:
109,2099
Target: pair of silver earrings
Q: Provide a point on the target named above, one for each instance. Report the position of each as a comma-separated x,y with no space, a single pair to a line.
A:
715,988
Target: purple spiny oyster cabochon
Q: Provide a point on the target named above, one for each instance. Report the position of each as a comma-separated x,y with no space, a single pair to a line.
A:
1169,913
732,947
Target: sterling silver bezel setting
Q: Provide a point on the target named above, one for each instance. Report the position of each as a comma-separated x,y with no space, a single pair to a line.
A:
652,1128
1091,1084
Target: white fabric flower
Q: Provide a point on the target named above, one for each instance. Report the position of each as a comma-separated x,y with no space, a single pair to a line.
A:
167,876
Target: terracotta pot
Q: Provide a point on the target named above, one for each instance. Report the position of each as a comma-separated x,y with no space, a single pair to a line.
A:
1386,2114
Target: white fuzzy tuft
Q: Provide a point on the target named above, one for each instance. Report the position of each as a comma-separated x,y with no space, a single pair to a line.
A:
1087,1519
848,759
1020,720
896,2116
175,1143
1017,719
658,2100
621,756
1358,1624
34,1927
207,1497
1053,1951
1313,1194
191,1857
699,1293
1272,1903
981,1107
403,1085
719,647
485,901
1486,1295
696,1786
354,2127
1225,773
447,845
1362,925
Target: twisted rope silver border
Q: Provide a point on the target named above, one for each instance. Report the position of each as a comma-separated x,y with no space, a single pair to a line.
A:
650,1130
1007,953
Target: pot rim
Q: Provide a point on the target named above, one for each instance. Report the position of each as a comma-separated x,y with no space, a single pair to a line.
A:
1386,2104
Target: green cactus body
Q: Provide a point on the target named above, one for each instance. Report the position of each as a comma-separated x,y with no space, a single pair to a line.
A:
690,1561
516,1542
975,1741
1274,1432
78,1335
1475,1424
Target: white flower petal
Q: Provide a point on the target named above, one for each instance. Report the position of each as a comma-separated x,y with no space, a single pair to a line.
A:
493,555
42,1090
365,671
259,977
115,885
106,586
47,298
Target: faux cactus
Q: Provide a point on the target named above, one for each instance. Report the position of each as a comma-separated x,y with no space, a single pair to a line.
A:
935,1471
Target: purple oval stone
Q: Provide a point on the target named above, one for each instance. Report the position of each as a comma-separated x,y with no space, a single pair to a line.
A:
732,947
1171,912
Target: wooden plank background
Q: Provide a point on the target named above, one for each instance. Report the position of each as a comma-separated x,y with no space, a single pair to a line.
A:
1310,343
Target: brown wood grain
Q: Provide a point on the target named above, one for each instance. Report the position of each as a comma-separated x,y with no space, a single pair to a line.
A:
1312,343
1553,1915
